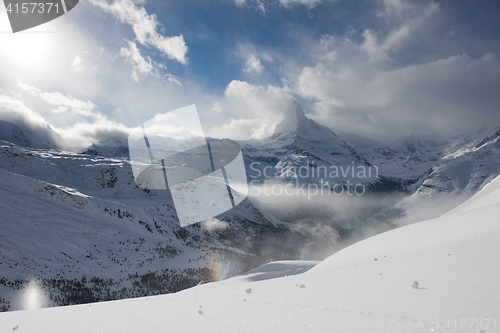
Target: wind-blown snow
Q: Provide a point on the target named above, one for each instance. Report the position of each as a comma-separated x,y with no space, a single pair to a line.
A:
365,287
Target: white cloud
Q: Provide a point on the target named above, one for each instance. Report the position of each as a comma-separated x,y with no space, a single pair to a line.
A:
81,135
216,107
76,106
14,111
261,4
60,109
396,38
326,49
450,94
145,27
139,64
34,127
252,58
174,79
78,64
26,87
307,3
253,65
62,103
77,61
84,124
214,224
143,67
382,100
393,8
256,110
379,51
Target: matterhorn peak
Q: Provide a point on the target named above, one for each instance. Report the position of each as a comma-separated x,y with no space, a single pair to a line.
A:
294,119
297,125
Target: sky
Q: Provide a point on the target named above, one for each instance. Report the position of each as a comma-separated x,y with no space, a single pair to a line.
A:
371,70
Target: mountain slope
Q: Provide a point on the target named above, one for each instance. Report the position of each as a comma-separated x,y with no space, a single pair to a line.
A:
365,287
109,147
441,163
12,133
465,166
32,135
411,158
80,226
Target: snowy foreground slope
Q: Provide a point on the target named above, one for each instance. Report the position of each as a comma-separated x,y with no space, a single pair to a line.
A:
365,287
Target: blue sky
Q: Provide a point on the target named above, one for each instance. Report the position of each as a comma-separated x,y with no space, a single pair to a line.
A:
376,70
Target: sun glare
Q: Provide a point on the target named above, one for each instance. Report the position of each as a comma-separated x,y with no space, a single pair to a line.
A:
33,296
29,49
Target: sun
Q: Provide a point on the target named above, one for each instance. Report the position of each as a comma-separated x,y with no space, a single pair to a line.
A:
29,49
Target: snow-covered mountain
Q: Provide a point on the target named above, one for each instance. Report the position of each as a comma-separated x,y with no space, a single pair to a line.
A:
435,276
30,135
11,133
465,165
79,225
110,147
458,164
302,151
299,142
410,158
440,171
